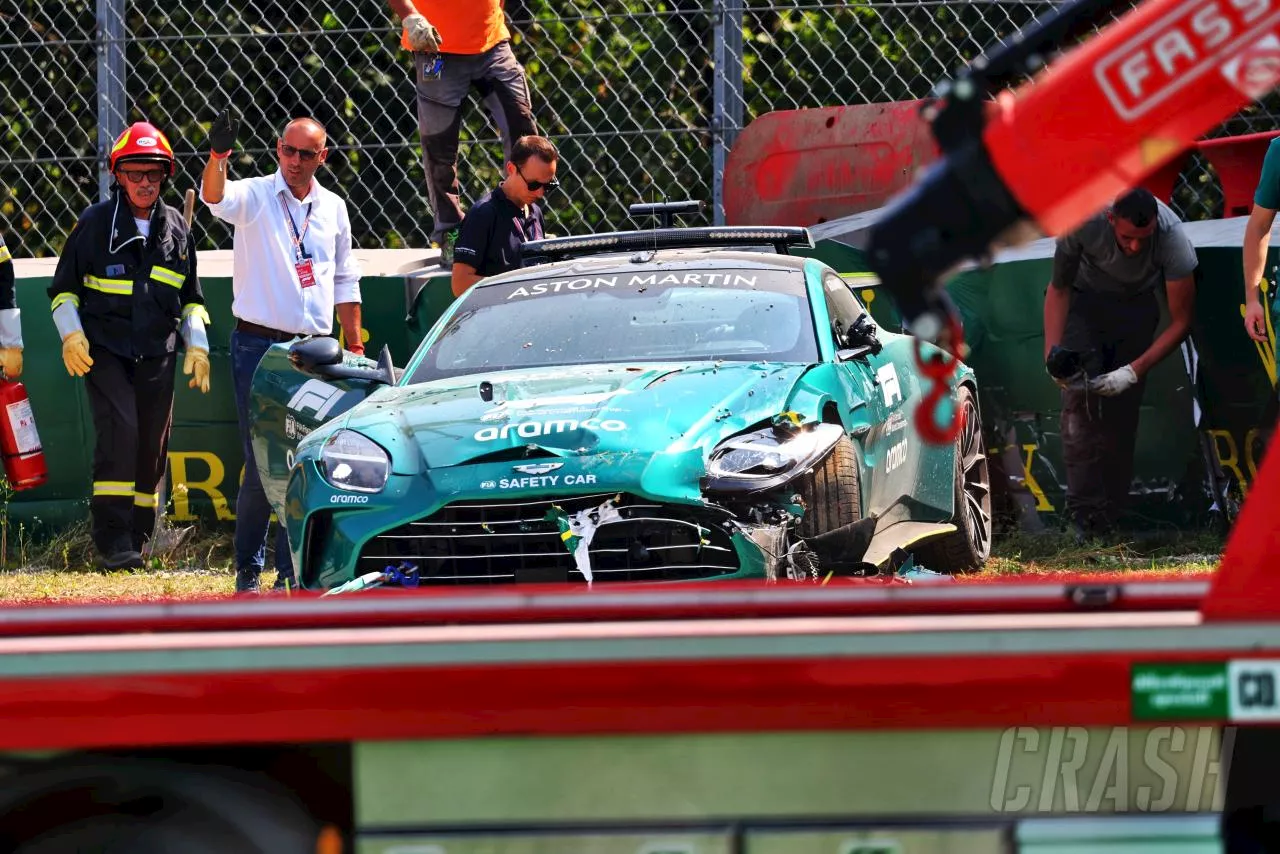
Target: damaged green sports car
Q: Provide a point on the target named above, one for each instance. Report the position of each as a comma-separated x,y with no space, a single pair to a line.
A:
673,404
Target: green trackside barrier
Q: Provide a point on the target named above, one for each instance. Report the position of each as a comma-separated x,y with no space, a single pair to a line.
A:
405,292
1003,310
399,288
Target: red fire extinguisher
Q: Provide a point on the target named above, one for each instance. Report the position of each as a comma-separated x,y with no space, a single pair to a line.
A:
24,465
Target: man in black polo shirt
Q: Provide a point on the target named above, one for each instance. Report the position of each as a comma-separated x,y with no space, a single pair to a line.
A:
493,231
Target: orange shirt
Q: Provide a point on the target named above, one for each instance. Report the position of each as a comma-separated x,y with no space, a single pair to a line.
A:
465,26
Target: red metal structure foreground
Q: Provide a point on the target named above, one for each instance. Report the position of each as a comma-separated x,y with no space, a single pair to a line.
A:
646,659
297,681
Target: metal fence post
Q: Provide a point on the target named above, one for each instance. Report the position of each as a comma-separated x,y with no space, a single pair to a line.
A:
111,91
727,97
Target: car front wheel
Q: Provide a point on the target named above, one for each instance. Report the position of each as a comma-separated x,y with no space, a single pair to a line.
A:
832,499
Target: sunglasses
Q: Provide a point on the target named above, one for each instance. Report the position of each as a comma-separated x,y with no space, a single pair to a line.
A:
305,154
151,176
535,186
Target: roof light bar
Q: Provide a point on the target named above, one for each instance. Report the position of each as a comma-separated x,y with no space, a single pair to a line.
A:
780,238
665,212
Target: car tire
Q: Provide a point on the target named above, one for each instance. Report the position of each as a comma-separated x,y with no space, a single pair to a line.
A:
968,548
80,803
831,493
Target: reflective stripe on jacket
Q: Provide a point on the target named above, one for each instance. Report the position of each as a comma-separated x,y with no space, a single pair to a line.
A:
131,293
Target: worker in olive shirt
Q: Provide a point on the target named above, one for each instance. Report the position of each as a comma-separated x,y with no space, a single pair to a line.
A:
1257,236
496,228
1102,305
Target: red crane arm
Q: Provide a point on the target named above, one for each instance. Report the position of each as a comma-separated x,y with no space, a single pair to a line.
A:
1041,158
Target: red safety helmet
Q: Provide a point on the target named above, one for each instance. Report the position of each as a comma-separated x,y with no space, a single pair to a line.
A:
142,142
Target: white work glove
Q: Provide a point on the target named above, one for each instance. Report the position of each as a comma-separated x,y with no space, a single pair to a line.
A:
421,35
1115,382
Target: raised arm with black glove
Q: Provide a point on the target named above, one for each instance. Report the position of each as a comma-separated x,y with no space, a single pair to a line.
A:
222,138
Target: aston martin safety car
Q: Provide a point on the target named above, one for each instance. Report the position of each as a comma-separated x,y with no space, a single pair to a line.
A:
671,404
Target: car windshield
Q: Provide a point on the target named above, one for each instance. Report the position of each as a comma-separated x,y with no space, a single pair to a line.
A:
709,313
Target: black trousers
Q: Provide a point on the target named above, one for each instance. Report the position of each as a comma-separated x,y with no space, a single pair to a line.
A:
1099,435
132,406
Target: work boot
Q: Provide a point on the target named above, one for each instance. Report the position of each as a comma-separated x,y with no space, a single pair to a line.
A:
284,582
247,580
123,560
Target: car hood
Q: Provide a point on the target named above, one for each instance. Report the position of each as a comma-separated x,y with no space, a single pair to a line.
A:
645,409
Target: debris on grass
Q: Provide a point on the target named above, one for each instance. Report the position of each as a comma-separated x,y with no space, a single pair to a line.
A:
195,561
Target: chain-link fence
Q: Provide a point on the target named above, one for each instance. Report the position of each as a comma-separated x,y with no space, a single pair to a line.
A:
644,98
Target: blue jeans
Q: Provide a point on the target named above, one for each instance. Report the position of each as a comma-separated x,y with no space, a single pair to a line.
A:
253,513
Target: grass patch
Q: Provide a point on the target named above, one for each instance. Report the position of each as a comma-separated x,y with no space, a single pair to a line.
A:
187,562
176,548
195,562
135,585
1057,554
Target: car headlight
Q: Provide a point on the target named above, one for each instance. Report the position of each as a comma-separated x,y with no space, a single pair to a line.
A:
351,461
768,458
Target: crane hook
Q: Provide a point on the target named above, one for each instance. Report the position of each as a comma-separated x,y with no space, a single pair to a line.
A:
938,370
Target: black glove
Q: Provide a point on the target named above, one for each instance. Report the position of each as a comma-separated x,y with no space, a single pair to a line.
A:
222,136
1064,366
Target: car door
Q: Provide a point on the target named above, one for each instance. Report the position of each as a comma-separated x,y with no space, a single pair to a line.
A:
886,381
285,405
863,408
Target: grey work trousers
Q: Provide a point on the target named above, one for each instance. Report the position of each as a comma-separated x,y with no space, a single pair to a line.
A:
1099,435
442,82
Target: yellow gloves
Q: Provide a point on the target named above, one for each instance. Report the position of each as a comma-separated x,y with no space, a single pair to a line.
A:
11,362
198,361
75,354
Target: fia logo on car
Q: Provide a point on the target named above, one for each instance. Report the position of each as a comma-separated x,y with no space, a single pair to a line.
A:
317,396
887,378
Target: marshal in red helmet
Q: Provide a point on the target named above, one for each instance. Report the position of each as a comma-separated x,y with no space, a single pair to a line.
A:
125,298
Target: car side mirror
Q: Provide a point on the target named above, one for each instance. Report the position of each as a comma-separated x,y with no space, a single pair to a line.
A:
323,357
860,339
311,354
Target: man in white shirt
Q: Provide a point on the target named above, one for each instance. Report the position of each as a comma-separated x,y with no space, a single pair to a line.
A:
279,294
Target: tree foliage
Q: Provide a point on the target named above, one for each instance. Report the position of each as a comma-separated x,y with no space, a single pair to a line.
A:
624,87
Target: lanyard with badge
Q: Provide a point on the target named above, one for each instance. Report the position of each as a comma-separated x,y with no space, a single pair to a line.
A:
301,260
